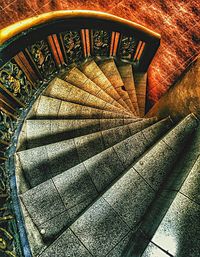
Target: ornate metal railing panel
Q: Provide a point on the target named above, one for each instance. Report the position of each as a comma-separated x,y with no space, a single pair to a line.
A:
72,46
101,42
30,56
42,57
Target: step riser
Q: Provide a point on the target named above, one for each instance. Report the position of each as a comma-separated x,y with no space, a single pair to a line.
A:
115,213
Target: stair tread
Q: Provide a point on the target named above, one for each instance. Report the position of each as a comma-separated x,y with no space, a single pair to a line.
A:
92,71
110,70
110,218
98,172
140,79
42,132
78,78
181,220
65,91
173,182
126,73
47,107
68,153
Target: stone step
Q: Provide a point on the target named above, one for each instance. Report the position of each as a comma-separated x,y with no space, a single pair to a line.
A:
55,158
181,219
183,181
43,132
166,184
119,211
110,70
141,87
51,108
126,72
78,78
65,91
80,185
93,72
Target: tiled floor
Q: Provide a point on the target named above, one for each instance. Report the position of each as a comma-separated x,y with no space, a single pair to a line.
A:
177,21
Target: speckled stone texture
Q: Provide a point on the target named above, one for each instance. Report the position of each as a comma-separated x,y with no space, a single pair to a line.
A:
180,223
110,70
126,73
141,91
93,72
51,108
65,91
42,132
176,21
78,78
68,153
79,186
104,226
65,245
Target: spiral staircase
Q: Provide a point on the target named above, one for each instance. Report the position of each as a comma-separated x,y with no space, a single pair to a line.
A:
89,173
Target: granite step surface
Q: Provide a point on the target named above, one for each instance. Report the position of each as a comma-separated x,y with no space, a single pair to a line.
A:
183,183
110,70
126,73
182,219
168,189
103,228
93,72
44,162
43,132
81,184
141,88
78,78
65,91
51,108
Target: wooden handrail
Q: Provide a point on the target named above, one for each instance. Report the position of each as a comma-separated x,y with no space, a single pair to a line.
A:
21,26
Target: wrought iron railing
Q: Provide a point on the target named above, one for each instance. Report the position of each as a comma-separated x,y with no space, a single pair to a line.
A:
34,51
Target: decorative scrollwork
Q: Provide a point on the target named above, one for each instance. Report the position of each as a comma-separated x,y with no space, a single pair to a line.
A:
43,58
72,46
6,127
127,47
6,238
14,79
101,42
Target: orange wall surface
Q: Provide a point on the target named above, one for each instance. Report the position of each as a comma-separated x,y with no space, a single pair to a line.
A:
178,22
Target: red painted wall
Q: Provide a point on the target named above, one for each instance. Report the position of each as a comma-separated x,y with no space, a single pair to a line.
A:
178,21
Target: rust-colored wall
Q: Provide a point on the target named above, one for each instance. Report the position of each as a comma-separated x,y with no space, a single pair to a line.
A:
183,98
178,21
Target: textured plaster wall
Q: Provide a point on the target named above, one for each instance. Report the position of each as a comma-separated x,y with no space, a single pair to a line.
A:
178,21
182,98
